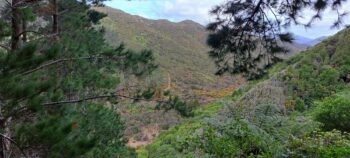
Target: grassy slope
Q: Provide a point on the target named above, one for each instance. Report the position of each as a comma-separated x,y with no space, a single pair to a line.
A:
334,53
180,48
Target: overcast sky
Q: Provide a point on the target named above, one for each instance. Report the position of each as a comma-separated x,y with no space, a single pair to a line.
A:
197,10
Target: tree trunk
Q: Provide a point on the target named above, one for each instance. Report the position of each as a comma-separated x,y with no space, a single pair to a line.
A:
24,28
16,22
55,29
2,140
5,143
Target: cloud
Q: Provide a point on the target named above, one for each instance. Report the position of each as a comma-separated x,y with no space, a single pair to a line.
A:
198,10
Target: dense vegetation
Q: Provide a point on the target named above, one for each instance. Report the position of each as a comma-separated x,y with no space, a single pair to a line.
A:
58,81
63,87
50,67
308,117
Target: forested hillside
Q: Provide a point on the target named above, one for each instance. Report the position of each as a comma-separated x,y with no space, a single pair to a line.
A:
185,67
300,110
180,50
80,79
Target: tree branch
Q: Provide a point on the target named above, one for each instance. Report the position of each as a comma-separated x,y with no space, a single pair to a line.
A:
56,62
14,142
28,31
94,98
5,47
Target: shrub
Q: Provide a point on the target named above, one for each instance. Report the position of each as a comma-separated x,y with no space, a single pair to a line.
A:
256,136
299,105
319,144
238,138
334,113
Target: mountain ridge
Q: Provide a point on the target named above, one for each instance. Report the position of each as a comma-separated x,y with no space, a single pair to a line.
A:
180,47
308,41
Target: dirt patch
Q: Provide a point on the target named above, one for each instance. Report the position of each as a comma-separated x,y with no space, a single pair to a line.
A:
148,134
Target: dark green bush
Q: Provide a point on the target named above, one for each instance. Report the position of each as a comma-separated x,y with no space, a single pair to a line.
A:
334,113
299,105
238,139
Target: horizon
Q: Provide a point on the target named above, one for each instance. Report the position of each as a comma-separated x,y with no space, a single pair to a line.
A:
182,10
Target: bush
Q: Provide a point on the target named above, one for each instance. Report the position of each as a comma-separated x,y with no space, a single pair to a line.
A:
256,136
299,105
239,138
320,144
334,113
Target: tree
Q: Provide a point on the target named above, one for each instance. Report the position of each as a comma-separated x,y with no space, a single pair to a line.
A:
56,78
333,112
247,34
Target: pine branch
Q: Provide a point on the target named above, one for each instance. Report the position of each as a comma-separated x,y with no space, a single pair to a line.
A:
94,98
64,60
15,143
56,62
5,47
28,31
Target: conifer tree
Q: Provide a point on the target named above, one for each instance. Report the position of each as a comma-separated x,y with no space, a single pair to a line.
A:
246,35
56,76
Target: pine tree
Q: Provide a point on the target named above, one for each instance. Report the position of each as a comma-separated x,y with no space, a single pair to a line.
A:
55,79
246,35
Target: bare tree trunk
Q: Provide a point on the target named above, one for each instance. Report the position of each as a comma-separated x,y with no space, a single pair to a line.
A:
2,140
55,29
24,29
5,143
16,21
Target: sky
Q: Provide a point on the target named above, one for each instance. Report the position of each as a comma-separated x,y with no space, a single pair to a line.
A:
198,11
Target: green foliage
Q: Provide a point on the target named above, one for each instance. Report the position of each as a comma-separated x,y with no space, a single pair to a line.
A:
27,14
320,144
334,113
174,102
312,82
5,30
89,130
237,94
249,41
182,140
315,76
239,138
95,16
299,105
42,80
176,142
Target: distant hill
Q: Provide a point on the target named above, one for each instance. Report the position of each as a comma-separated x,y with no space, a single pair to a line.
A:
317,40
180,48
308,41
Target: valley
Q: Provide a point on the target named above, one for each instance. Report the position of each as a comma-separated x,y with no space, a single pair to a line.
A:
174,79
184,68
